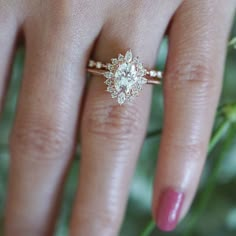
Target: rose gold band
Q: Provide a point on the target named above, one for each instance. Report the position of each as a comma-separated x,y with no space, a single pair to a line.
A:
99,68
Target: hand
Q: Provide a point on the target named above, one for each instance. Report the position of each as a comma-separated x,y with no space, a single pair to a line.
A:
60,37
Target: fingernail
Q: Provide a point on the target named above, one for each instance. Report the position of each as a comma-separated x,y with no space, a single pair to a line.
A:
169,208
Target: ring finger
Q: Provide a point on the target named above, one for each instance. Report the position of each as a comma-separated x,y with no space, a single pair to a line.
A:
112,134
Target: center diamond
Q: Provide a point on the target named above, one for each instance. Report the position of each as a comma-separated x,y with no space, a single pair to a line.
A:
125,77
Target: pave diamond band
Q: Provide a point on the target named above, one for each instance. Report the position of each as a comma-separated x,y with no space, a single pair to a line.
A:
125,76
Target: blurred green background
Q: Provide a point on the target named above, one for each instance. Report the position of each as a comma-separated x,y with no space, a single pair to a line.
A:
214,209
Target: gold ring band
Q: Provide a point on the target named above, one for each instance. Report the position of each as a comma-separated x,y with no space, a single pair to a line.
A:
125,76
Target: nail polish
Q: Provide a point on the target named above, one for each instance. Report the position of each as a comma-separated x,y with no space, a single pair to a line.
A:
169,208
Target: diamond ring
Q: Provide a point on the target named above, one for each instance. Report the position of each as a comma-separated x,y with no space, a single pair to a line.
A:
125,76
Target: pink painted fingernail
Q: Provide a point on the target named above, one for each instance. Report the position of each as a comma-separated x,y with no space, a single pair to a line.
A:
169,208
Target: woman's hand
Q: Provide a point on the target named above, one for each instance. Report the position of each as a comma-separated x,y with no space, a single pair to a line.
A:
60,36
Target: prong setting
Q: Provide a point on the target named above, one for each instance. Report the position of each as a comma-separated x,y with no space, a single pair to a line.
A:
125,76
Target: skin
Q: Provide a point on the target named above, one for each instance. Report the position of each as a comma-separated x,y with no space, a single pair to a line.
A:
60,36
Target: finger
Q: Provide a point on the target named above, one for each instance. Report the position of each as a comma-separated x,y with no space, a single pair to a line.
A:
9,27
44,132
192,87
112,134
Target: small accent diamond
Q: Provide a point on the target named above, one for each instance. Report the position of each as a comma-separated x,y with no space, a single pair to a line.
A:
128,56
114,61
120,57
121,98
91,63
153,73
110,67
136,60
110,89
98,65
159,74
108,74
108,82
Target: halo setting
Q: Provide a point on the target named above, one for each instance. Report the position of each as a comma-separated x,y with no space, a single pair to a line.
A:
125,77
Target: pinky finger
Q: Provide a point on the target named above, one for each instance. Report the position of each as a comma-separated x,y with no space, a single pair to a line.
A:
191,90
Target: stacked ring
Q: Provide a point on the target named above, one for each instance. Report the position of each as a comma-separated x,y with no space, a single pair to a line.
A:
125,76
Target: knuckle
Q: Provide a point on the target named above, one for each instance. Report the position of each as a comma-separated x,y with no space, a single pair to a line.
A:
194,151
59,20
141,8
42,140
113,121
187,151
51,17
30,229
105,221
192,75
